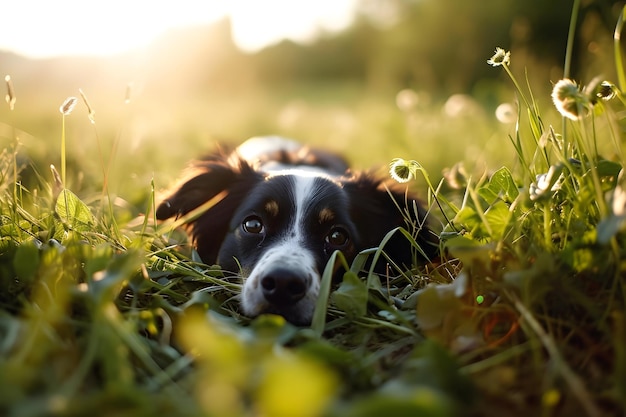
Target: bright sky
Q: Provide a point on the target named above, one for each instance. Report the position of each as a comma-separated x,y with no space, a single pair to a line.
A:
44,28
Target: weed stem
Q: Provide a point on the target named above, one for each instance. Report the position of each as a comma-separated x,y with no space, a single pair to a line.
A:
63,151
619,63
570,39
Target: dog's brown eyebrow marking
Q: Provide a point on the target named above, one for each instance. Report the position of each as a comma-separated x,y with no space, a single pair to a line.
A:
271,207
326,215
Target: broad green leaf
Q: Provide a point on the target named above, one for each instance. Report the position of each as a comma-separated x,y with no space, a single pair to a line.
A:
501,186
351,296
469,251
26,261
73,211
470,220
498,216
434,304
608,168
360,261
443,314
103,284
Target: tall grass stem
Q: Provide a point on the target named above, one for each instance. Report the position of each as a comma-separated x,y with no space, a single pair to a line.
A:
533,112
570,39
619,63
63,152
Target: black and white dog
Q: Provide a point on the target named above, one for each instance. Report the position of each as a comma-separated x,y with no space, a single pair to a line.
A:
284,210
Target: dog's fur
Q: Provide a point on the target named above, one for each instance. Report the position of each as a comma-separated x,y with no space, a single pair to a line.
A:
285,209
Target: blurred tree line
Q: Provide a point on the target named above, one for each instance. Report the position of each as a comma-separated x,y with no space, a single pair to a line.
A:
439,46
436,46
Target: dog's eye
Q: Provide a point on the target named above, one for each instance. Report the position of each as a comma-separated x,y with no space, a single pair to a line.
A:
253,224
337,237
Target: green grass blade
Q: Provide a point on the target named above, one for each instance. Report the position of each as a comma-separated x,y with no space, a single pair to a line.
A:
619,63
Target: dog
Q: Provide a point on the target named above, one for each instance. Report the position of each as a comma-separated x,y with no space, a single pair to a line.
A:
282,210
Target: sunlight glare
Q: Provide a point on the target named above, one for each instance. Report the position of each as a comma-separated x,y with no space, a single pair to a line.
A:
257,24
73,27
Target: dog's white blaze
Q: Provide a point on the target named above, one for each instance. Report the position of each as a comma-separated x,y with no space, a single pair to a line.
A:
304,190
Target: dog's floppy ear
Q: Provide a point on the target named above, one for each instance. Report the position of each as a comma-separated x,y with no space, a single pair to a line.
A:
208,179
378,207
204,183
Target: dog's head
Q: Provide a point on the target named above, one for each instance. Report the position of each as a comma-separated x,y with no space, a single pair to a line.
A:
279,228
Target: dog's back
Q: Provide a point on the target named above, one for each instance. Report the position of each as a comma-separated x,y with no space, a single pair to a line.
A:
276,153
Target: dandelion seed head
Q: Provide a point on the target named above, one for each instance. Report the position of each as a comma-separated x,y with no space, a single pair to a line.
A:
461,105
565,89
501,57
400,170
569,100
505,113
569,108
68,105
606,91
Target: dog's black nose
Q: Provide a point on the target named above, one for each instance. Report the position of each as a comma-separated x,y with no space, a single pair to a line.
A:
283,288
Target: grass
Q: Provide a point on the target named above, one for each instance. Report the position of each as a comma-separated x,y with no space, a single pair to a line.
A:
102,310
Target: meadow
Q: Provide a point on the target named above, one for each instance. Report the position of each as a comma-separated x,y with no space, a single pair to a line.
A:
104,311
